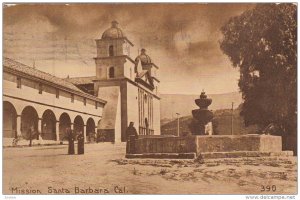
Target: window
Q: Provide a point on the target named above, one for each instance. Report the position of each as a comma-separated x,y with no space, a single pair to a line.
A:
72,98
40,88
57,93
111,72
111,50
84,101
18,82
96,104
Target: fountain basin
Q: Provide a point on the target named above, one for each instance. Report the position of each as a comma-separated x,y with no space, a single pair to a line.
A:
203,103
204,145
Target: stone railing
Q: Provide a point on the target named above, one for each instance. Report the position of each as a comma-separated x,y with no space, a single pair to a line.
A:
144,131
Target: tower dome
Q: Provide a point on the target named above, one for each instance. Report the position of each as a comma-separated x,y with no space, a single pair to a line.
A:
113,32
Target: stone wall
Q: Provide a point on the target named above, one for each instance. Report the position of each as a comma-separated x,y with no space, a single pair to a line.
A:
230,143
165,145
203,144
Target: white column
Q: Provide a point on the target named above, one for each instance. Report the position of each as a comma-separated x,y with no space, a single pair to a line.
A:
57,130
18,128
72,126
84,132
40,128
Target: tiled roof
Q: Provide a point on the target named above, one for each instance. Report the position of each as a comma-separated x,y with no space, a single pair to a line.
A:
21,68
81,80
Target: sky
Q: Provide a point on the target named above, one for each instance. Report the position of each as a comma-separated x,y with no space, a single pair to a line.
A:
182,39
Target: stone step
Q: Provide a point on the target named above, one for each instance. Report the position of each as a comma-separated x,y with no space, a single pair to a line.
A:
209,155
163,155
238,154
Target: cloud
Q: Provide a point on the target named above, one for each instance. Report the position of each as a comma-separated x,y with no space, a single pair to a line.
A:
181,38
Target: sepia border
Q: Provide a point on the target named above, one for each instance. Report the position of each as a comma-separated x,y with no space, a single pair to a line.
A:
132,197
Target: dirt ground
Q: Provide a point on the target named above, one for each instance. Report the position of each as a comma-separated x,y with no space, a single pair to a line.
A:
104,170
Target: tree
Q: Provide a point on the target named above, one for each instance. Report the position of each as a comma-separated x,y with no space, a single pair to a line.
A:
262,43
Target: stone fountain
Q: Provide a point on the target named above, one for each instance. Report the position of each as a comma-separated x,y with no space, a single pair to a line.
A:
206,146
201,116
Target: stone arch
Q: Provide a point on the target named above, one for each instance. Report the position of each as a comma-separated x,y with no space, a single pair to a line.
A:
29,118
48,125
9,120
78,124
64,123
90,128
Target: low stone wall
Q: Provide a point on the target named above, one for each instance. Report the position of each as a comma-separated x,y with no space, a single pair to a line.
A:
231,143
165,145
213,143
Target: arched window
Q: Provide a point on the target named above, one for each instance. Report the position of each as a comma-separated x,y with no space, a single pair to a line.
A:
111,72
111,50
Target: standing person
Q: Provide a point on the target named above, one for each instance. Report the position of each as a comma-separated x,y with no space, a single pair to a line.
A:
80,146
30,133
131,135
70,138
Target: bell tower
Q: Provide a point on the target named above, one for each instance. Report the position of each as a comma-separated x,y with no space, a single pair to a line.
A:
113,51
129,87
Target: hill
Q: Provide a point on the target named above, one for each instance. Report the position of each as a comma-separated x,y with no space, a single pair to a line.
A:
221,124
184,104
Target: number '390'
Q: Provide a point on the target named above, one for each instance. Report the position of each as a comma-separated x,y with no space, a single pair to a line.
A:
268,188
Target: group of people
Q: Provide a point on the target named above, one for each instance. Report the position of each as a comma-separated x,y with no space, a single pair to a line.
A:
71,139
96,137
131,135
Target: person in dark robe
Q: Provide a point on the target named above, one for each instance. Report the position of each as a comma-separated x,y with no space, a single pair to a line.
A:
30,134
70,137
80,146
131,135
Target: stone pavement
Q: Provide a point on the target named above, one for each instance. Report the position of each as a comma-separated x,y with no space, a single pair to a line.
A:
103,169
